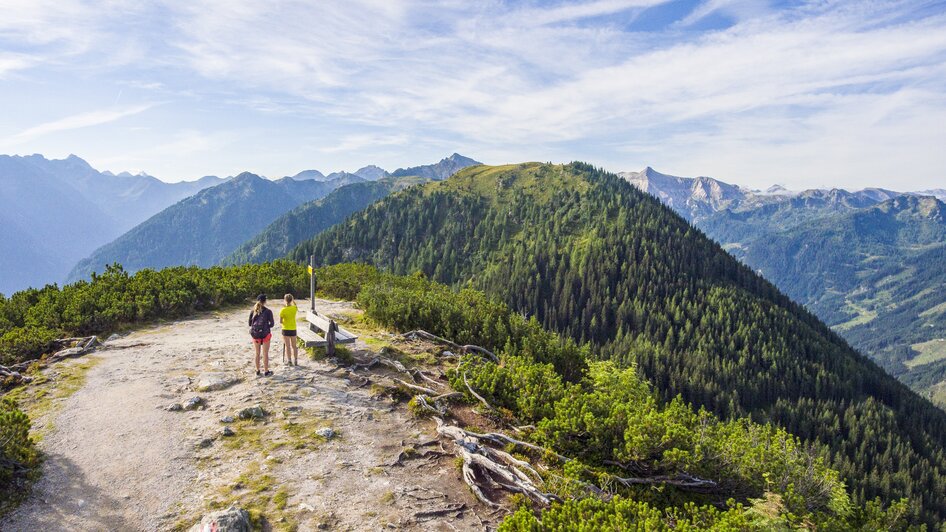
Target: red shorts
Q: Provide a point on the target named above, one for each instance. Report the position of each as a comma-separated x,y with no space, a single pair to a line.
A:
263,340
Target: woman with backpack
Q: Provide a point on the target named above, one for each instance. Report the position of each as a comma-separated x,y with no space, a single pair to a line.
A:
261,324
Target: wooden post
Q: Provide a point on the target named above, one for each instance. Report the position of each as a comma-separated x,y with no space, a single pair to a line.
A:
330,338
312,282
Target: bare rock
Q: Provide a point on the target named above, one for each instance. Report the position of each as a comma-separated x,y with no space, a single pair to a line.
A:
226,419
194,403
227,431
232,519
176,407
253,412
326,433
209,382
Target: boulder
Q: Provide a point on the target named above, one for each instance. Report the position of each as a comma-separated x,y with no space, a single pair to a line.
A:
326,433
209,382
227,431
226,419
194,403
232,519
176,407
253,412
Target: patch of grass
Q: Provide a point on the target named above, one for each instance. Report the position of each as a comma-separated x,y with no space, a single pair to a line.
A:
248,436
372,471
387,498
341,353
301,433
930,351
42,398
862,315
257,493
281,499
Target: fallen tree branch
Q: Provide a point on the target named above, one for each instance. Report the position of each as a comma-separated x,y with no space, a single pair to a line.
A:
683,481
420,333
485,352
476,395
414,387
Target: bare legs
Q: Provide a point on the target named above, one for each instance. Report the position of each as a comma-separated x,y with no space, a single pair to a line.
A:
265,358
264,347
290,350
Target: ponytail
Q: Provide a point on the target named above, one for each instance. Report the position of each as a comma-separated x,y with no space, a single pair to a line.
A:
257,308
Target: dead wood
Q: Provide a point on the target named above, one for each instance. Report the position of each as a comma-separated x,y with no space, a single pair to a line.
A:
420,333
455,509
479,350
474,394
486,467
414,387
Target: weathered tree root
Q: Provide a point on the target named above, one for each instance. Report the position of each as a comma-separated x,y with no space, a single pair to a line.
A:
486,467
404,456
454,509
476,395
13,378
436,405
12,374
420,333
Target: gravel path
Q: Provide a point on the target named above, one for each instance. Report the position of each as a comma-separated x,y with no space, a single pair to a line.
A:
117,459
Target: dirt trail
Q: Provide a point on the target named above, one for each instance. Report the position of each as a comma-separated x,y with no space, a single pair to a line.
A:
117,459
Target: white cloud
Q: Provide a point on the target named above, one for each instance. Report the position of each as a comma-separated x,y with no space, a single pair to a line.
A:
560,81
354,143
81,120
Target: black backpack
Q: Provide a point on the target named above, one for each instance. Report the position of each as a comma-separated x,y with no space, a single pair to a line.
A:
259,328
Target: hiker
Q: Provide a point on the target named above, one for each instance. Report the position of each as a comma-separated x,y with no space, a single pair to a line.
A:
261,324
287,319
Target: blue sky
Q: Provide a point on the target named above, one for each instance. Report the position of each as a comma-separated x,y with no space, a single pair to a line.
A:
807,94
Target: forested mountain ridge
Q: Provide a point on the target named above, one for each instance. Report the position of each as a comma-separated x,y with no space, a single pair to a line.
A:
287,231
592,257
208,226
57,211
863,261
877,275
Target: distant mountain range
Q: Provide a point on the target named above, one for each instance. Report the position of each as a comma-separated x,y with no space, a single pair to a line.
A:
441,170
210,226
311,218
868,262
57,211
204,228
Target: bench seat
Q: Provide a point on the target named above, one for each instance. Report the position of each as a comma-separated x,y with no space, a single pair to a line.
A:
311,338
320,323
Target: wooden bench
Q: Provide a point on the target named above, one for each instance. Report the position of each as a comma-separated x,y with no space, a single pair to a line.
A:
317,332
310,338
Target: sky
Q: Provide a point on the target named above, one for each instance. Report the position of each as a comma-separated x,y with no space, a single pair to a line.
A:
805,94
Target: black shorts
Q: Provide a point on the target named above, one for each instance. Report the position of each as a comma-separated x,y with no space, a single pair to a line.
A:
288,332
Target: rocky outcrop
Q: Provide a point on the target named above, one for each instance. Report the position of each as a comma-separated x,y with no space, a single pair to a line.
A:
232,519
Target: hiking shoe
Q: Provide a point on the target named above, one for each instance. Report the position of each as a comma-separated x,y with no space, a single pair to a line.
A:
268,374
258,373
